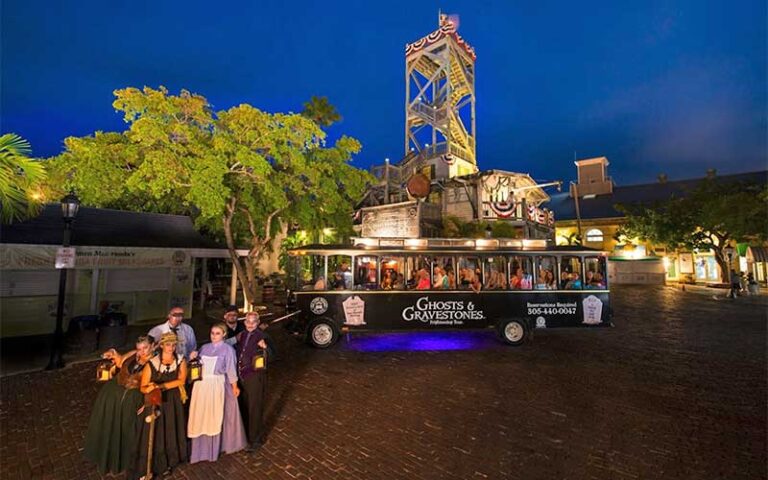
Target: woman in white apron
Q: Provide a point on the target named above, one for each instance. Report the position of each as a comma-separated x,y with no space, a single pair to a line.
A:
215,425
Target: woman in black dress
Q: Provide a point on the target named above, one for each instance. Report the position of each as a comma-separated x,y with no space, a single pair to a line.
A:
166,372
113,430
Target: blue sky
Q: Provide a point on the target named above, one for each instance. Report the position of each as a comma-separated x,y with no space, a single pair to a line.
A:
674,86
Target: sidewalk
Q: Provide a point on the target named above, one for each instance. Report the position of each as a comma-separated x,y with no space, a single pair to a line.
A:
721,294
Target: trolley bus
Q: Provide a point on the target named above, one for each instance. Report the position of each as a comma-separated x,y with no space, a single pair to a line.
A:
512,285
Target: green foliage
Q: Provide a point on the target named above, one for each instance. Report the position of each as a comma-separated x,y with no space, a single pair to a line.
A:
710,216
320,110
21,179
241,173
572,238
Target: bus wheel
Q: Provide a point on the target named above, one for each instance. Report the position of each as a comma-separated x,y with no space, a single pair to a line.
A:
322,334
513,332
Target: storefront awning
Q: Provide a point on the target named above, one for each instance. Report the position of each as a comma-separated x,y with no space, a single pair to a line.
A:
757,254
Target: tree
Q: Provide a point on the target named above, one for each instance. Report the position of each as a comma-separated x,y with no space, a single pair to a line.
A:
241,173
709,216
572,238
21,179
320,111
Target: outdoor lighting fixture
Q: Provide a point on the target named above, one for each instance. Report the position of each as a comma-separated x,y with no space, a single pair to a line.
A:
70,205
488,231
105,370
195,370
260,361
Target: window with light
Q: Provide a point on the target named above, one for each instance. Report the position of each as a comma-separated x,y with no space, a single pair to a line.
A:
594,235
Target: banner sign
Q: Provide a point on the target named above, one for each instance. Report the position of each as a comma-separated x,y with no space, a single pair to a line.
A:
41,257
398,221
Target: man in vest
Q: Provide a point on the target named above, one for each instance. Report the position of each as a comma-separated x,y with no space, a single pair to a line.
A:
253,383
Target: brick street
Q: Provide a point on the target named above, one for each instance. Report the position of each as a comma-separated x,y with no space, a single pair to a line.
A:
677,390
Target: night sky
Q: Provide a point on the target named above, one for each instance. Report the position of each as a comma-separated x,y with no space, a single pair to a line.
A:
656,86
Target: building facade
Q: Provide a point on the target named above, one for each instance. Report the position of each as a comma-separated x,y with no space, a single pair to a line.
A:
588,211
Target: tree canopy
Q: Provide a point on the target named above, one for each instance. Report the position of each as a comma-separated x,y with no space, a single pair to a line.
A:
709,216
240,173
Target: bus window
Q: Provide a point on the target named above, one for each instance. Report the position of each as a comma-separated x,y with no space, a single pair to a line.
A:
546,268
339,272
495,273
469,269
392,273
594,268
312,272
520,276
417,270
442,268
365,272
570,273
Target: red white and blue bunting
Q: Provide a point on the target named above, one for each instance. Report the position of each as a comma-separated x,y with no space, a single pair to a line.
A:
541,215
503,209
448,29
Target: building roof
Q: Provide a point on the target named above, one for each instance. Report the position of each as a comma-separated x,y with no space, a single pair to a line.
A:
604,206
108,228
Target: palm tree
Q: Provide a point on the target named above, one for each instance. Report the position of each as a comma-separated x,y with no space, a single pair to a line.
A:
20,179
572,239
320,110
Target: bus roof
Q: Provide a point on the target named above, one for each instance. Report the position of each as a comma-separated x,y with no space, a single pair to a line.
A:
361,249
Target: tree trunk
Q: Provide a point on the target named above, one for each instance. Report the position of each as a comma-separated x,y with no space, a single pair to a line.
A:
722,262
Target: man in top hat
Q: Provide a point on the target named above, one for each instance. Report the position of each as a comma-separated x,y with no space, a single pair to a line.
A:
230,319
187,342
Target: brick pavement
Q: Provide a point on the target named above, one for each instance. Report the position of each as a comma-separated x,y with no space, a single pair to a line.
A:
676,391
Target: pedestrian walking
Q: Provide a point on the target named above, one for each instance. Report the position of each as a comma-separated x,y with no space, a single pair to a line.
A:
250,344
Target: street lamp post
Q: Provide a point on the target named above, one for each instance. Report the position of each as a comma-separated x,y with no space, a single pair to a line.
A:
729,254
70,204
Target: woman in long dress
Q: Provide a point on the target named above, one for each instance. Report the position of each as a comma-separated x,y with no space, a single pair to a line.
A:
166,372
215,425
112,438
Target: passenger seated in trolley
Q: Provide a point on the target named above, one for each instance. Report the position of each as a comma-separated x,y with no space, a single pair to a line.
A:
594,281
496,280
574,282
424,282
465,278
521,280
320,283
441,280
451,278
546,280
388,282
338,282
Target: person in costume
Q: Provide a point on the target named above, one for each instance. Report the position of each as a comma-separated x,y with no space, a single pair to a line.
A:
215,425
166,371
253,382
112,439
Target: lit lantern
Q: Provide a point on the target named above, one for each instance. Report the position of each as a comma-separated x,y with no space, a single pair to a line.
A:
195,370
260,361
105,370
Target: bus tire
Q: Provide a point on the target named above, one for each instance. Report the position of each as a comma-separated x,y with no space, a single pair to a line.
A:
322,334
514,331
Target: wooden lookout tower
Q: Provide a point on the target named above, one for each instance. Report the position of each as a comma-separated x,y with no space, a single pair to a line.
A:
440,102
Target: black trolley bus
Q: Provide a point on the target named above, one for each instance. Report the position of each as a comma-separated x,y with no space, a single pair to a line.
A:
512,285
